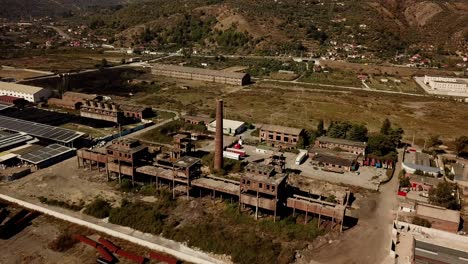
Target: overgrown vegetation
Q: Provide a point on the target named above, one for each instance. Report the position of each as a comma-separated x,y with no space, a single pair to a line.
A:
250,241
63,242
146,217
229,165
421,222
63,204
445,195
98,208
385,143
164,133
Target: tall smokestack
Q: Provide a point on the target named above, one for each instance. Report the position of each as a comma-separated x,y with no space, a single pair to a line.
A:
218,157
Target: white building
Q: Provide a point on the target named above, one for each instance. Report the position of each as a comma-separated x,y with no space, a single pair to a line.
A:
446,84
29,93
230,127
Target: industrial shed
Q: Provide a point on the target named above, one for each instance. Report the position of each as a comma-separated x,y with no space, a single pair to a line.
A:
230,127
29,93
47,156
190,73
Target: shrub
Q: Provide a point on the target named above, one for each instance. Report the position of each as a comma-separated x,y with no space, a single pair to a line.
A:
421,222
63,204
63,242
99,208
126,185
143,216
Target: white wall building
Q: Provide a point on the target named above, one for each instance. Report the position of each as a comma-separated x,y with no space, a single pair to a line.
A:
458,87
230,127
29,93
427,79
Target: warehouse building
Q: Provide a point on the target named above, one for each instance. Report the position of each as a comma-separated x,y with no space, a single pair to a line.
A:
230,127
233,78
29,93
333,161
72,100
439,217
418,161
355,147
197,120
101,111
280,136
136,112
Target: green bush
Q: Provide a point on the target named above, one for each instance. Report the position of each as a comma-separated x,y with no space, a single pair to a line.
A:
421,222
63,242
243,238
126,185
99,208
63,204
140,216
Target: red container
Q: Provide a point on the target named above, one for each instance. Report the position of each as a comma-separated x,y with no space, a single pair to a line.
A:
402,194
105,254
109,245
85,240
167,259
131,256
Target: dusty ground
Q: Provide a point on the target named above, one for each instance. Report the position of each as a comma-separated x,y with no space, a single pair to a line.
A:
19,74
65,182
33,244
369,241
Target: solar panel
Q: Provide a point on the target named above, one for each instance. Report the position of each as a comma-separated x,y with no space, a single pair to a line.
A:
58,134
3,106
46,153
7,141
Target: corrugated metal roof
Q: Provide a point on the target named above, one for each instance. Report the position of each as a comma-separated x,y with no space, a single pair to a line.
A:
439,253
342,141
19,88
166,67
282,129
80,95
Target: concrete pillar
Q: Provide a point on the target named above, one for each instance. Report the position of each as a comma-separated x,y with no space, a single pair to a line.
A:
256,207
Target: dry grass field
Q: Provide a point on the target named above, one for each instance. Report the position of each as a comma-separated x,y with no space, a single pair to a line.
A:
303,107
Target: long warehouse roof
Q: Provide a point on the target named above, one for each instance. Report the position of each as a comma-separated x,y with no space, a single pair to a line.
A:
174,68
39,130
40,155
19,88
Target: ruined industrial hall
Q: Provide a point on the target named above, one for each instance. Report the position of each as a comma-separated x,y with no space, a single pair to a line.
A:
263,188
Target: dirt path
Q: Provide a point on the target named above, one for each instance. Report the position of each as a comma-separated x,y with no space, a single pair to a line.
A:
369,241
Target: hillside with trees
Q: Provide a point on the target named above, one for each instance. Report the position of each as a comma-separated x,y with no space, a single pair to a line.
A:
380,27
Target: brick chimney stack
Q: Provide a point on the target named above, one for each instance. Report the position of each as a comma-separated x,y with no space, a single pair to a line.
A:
218,157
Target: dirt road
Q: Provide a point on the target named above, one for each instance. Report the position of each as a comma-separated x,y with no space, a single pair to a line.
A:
369,241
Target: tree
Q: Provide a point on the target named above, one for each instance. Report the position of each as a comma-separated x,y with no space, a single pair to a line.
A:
444,195
357,133
405,182
381,145
338,129
461,145
434,141
386,127
320,128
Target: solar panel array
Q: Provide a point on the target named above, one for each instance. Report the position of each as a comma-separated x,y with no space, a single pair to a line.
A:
13,139
3,106
39,130
46,153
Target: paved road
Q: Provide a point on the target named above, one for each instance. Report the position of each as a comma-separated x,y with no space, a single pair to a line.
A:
60,32
134,135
